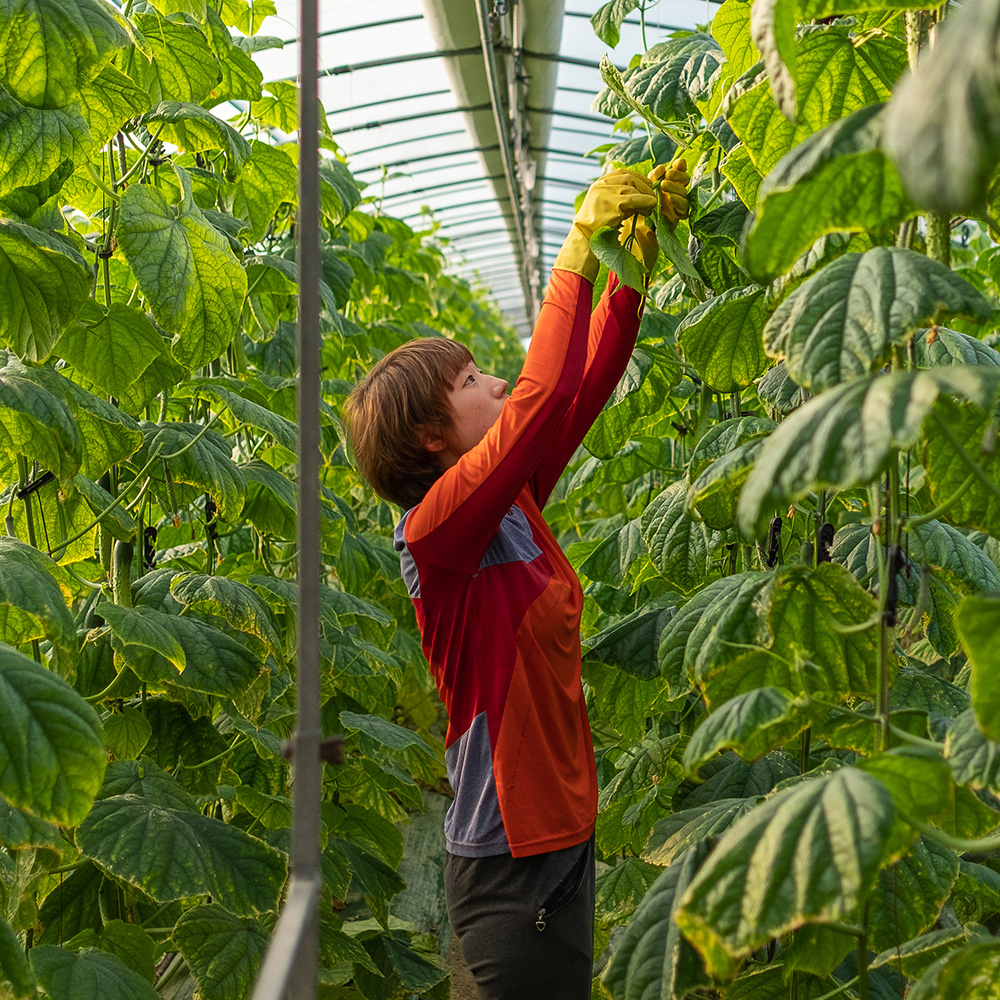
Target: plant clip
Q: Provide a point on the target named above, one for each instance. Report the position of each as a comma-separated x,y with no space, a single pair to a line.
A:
105,253
149,546
773,541
892,592
826,533
35,485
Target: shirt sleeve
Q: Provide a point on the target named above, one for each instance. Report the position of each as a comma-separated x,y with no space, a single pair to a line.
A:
614,326
455,522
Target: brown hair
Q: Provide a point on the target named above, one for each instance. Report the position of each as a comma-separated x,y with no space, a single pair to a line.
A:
405,390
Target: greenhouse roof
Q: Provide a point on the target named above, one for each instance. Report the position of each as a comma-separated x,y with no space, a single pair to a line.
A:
413,95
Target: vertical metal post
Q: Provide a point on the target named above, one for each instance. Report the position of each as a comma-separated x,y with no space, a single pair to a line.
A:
291,964
305,846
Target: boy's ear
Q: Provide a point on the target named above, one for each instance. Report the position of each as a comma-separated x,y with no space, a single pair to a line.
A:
431,438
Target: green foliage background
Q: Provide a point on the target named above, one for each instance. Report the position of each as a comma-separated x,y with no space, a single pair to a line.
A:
787,518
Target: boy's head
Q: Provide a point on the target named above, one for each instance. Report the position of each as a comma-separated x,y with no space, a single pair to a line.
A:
393,409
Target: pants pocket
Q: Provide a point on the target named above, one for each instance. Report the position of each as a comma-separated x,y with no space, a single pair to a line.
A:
567,888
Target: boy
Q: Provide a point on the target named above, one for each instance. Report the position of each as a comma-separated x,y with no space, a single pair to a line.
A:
498,604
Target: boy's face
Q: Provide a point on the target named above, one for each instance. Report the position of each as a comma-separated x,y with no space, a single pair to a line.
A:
476,400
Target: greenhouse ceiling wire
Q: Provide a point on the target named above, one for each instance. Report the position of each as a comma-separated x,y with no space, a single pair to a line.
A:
413,96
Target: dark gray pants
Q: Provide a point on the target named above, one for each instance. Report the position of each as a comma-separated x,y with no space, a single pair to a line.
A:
525,925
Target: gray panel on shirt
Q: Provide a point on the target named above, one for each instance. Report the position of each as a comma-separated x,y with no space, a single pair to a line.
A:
474,827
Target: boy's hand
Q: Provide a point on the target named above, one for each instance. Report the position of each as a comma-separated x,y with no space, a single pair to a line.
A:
672,180
610,200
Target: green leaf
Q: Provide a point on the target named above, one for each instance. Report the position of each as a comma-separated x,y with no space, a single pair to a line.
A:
127,733
372,877
107,435
280,107
740,171
653,959
377,732
49,49
974,758
619,890
21,829
52,755
731,29
639,393
108,101
778,390
205,465
810,854
168,649
836,180
716,491
617,257
702,635
241,77
631,644
43,282
231,600
607,22
272,500
247,15
269,178
814,614
915,956
68,975
246,405
37,424
921,786
835,75
193,283
14,968
112,348
957,440
679,546
182,65
638,795
31,603
751,724
34,143
611,562
942,122
686,828
811,10
843,321
940,545
970,973
976,620
941,346
721,338
846,436
908,898
195,854
128,942
193,129
118,522
223,951
772,27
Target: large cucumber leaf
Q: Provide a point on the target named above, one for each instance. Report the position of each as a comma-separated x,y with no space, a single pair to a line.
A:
268,178
942,126
811,853
52,756
835,76
70,975
108,101
182,65
977,621
721,338
193,284
679,546
194,854
44,282
843,321
49,49
836,180
194,129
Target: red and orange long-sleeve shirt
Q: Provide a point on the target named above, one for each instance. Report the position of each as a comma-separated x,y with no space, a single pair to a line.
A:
497,602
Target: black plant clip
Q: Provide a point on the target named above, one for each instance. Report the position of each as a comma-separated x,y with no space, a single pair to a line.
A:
825,541
892,592
774,542
210,511
149,547
35,485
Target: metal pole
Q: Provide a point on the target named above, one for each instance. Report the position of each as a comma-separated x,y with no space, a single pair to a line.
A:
307,789
292,959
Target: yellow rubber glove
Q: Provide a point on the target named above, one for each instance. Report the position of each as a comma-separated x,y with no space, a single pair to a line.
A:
611,199
672,181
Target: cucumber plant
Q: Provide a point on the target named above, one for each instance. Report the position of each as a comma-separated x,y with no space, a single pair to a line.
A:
787,523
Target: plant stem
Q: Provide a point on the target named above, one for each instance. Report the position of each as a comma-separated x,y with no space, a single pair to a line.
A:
932,515
882,693
863,958
939,237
